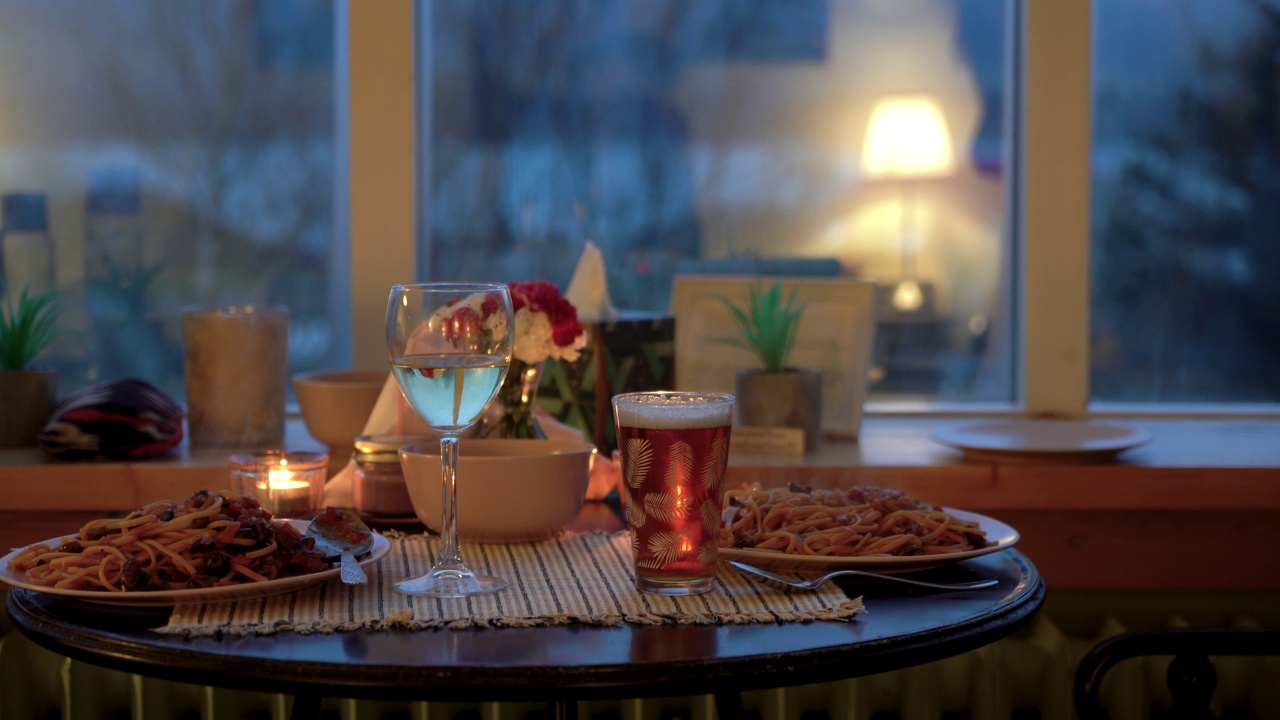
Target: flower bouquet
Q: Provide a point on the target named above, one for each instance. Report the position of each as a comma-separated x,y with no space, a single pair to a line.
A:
546,324
547,327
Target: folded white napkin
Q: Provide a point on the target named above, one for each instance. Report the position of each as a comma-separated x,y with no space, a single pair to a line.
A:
392,415
588,290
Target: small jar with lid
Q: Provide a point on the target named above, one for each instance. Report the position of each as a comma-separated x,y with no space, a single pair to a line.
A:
378,487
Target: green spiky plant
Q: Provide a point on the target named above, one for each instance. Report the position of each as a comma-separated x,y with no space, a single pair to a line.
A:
27,327
767,325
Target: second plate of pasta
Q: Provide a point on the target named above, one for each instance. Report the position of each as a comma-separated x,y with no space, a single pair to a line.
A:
1000,535
863,527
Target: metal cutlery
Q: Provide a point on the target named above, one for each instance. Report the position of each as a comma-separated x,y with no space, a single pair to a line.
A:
342,534
817,582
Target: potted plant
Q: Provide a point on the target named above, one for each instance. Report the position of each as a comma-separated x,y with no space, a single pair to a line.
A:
774,395
27,326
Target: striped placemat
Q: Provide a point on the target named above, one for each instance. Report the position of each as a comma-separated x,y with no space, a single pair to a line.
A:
575,578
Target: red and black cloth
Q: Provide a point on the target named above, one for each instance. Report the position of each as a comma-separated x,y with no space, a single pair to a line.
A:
116,420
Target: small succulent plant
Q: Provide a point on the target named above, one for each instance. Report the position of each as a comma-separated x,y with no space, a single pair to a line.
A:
767,325
27,326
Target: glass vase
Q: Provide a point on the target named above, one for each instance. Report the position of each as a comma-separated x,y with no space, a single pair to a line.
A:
510,416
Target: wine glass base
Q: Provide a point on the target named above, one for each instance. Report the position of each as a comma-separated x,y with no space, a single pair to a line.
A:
451,584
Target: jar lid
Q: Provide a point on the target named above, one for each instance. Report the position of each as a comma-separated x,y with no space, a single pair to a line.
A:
383,448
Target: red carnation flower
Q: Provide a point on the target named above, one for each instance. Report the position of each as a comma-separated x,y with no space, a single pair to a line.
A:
566,335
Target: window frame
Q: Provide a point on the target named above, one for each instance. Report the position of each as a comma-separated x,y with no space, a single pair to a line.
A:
375,68
1053,66
1051,62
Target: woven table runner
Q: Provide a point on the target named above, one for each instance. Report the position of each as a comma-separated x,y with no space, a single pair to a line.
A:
576,578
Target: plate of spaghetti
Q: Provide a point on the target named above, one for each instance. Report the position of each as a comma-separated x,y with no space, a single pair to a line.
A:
863,527
212,546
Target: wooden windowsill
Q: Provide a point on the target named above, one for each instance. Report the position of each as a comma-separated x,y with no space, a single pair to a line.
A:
1189,465
1195,508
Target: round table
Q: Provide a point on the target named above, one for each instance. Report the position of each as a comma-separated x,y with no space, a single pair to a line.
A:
561,664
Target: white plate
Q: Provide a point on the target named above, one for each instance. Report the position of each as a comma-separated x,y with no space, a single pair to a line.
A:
1000,535
243,591
1041,440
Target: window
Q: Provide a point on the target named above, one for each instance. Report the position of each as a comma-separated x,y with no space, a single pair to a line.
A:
182,152
227,124
1186,161
855,137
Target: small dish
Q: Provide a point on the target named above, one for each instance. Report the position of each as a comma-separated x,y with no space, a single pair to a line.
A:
1041,440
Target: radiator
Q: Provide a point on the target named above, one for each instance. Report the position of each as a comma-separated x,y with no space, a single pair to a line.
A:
1023,677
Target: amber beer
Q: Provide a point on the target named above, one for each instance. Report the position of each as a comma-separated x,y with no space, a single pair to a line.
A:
674,448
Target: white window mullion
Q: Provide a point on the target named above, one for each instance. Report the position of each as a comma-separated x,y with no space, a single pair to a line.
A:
379,97
1055,182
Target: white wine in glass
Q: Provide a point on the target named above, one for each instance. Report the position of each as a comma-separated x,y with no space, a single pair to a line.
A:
450,347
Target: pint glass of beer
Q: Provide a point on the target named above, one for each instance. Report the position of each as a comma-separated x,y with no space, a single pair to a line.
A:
674,448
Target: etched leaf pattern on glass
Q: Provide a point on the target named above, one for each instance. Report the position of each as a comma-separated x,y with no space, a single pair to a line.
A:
679,463
635,513
687,493
667,506
709,553
711,515
640,457
666,547
716,458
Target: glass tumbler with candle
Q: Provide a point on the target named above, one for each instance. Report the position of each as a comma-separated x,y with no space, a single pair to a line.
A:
289,485
674,449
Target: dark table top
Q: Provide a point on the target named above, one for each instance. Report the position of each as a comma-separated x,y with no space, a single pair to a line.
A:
901,627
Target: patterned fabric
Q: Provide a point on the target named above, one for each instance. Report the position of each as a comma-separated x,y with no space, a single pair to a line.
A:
116,420
574,578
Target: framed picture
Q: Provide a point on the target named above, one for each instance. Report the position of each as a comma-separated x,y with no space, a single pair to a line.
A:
836,335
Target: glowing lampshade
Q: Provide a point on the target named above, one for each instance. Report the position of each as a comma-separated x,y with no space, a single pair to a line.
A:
907,137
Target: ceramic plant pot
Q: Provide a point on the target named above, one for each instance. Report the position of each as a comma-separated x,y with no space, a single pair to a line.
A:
792,398
27,398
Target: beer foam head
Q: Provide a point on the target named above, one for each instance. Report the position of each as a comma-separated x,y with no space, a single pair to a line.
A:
674,410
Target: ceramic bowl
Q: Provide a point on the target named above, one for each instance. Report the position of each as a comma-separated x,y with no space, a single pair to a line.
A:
336,404
508,490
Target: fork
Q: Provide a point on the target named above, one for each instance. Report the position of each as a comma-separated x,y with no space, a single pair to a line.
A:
815,583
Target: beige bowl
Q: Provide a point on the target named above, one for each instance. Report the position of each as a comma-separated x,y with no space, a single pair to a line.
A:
508,490
335,404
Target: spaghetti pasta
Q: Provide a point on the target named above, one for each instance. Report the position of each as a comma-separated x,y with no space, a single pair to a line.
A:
861,521
210,539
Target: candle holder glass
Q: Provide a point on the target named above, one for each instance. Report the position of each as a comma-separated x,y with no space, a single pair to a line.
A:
288,484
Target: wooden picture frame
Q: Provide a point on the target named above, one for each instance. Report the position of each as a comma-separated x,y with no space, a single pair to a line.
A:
836,336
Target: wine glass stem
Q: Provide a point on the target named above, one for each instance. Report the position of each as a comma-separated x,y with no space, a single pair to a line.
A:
449,554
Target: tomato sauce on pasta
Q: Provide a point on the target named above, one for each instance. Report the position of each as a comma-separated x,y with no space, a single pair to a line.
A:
210,539
861,521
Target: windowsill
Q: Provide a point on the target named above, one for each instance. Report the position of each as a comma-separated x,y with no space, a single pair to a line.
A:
1190,464
1194,508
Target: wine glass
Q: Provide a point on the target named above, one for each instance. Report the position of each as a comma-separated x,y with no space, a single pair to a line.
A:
450,347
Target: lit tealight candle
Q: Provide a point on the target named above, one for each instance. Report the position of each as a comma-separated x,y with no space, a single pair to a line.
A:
288,485
281,478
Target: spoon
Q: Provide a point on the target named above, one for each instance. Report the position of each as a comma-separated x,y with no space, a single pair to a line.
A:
815,583
341,533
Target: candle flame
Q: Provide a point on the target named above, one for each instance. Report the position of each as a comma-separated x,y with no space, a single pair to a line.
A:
281,478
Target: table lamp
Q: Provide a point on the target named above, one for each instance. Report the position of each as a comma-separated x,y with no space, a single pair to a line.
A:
907,140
